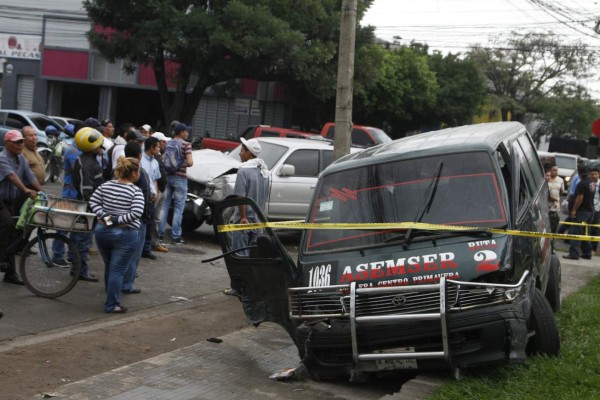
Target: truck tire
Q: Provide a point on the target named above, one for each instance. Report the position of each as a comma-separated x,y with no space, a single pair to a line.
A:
545,339
553,289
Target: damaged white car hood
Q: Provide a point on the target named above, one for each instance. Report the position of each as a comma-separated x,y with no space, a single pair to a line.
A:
210,164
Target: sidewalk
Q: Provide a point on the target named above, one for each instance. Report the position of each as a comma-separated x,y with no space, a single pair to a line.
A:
239,367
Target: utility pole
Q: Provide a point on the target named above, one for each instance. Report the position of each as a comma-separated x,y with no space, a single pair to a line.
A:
345,76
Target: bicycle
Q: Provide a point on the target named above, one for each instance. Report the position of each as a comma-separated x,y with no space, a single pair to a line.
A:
41,274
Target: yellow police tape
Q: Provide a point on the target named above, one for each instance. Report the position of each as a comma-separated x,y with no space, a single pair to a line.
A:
405,225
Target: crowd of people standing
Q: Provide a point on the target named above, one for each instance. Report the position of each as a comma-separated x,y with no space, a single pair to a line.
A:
583,207
121,174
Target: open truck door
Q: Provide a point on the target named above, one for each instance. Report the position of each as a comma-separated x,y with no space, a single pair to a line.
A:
260,272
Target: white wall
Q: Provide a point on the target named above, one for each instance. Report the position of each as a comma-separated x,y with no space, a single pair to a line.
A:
26,16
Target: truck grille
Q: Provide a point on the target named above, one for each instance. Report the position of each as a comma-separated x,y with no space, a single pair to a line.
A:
334,301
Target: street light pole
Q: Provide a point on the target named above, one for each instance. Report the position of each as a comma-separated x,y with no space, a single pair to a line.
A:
343,101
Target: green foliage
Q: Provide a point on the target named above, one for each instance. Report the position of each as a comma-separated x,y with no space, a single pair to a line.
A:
574,375
402,87
461,89
220,40
526,68
567,111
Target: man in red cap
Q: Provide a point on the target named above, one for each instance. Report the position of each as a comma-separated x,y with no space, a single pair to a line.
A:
17,182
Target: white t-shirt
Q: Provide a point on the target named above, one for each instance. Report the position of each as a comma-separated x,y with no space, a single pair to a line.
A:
556,186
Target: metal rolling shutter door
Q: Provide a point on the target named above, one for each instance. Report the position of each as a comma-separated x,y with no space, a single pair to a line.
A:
25,85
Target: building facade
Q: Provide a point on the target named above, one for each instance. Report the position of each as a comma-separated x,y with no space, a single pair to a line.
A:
47,65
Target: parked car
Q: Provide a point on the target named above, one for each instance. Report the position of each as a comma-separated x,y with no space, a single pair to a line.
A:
567,165
63,121
3,130
18,119
364,299
294,166
253,131
547,159
363,136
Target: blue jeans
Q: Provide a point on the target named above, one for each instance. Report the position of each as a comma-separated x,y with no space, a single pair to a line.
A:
83,242
177,189
58,249
129,276
117,246
586,247
242,239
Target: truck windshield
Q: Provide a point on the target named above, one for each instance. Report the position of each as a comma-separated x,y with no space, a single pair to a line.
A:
467,192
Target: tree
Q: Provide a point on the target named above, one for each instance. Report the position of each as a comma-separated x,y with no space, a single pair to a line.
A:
569,110
526,68
403,87
199,43
461,90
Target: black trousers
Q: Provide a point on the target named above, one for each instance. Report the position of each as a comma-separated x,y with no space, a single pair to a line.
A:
16,240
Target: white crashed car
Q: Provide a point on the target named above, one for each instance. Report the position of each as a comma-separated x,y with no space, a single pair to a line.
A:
294,166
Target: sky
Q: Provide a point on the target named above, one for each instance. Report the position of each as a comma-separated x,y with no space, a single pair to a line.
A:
454,25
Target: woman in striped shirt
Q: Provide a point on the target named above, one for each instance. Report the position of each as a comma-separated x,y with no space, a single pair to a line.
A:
118,205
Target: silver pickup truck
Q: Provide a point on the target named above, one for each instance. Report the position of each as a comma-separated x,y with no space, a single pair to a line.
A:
294,166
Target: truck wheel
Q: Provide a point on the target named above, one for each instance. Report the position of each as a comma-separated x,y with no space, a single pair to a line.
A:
189,222
553,289
542,324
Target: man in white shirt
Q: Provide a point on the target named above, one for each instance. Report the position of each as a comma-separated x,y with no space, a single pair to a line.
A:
556,186
150,165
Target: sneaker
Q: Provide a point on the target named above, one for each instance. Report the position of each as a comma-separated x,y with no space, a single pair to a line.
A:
160,248
15,279
88,278
230,292
4,266
177,241
149,255
60,263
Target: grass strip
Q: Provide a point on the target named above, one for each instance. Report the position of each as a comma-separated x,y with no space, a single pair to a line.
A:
575,374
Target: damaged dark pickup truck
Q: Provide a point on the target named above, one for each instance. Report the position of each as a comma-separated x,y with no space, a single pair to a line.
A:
366,299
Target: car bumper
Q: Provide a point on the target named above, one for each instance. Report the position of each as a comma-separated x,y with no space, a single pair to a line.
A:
457,337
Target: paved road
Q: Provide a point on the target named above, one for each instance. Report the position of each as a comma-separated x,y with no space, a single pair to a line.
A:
179,281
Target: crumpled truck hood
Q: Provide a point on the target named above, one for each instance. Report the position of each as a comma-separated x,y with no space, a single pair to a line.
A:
210,164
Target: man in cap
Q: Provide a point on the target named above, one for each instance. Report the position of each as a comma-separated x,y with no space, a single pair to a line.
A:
101,156
251,182
87,176
17,182
146,130
582,211
177,184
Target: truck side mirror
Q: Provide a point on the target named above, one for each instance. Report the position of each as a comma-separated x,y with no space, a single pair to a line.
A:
266,247
287,170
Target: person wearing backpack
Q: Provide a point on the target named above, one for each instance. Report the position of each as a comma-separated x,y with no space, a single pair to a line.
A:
177,157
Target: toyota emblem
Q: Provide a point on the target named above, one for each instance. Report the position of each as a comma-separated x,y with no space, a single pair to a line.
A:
399,300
